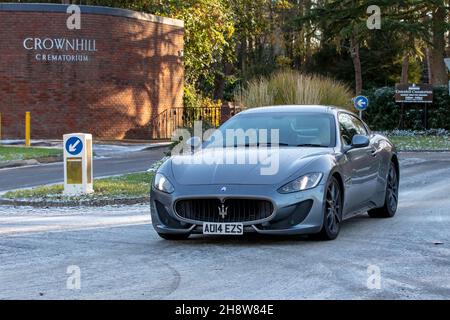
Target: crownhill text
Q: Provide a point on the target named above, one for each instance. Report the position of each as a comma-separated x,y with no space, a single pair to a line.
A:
60,49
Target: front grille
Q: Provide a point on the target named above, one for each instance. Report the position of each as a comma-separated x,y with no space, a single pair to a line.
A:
233,210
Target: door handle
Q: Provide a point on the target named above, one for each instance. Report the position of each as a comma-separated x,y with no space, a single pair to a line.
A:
374,152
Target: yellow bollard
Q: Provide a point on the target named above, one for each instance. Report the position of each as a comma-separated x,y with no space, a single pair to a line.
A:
27,129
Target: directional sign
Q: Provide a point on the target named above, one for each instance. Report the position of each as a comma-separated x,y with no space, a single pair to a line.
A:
74,146
361,103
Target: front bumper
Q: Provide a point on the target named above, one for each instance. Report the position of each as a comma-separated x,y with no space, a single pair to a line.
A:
295,213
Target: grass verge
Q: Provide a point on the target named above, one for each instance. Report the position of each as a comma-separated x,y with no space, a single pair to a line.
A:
416,143
133,185
8,153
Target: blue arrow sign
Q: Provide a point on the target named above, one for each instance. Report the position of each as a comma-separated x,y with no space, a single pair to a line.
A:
361,103
74,145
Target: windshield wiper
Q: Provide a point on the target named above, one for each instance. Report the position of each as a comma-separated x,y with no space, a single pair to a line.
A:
266,144
311,145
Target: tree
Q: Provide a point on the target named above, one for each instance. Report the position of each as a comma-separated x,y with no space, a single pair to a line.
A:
345,21
209,29
438,28
228,42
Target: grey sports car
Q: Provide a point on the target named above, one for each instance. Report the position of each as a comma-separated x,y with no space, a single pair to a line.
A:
280,170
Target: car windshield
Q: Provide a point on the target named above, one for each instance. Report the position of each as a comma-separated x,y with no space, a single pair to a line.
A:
285,129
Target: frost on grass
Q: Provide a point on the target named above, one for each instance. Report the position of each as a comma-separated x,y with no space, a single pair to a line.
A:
424,140
128,186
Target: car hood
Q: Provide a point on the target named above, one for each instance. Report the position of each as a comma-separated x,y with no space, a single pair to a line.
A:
255,165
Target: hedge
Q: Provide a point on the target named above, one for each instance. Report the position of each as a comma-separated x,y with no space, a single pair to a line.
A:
384,114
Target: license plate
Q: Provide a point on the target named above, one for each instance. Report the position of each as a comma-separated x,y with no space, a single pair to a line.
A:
223,228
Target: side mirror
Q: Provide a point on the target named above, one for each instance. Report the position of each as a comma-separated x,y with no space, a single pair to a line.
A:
360,141
193,143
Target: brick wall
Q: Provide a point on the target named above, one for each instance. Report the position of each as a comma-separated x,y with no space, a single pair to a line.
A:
135,73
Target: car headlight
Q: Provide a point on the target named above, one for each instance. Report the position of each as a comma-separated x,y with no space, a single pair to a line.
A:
161,183
305,182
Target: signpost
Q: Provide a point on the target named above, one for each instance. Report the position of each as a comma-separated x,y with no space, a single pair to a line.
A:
414,94
78,170
361,103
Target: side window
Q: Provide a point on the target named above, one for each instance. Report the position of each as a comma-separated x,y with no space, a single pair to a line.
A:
360,126
350,126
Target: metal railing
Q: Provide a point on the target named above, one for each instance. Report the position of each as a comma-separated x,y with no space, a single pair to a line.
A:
164,123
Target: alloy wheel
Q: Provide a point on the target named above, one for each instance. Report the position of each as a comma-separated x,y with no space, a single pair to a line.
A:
333,208
392,189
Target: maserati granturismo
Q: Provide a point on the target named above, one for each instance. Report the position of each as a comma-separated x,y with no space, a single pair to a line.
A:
279,170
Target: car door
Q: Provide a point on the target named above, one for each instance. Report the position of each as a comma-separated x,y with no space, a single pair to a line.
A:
359,165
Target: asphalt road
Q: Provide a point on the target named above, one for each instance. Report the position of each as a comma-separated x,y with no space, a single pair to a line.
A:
24,177
120,256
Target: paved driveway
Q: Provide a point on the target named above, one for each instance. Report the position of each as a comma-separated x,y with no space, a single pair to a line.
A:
121,257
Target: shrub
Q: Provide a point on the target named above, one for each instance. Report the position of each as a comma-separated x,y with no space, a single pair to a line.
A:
384,114
291,87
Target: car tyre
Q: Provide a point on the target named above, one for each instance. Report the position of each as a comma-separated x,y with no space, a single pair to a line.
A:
391,199
174,236
332,211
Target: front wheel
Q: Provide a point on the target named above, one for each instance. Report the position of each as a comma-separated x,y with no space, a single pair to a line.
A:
332,211
391,200
174,236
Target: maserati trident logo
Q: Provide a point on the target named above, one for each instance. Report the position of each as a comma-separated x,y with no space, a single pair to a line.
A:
223,211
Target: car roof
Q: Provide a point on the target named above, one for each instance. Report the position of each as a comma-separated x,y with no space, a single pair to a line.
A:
294,108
